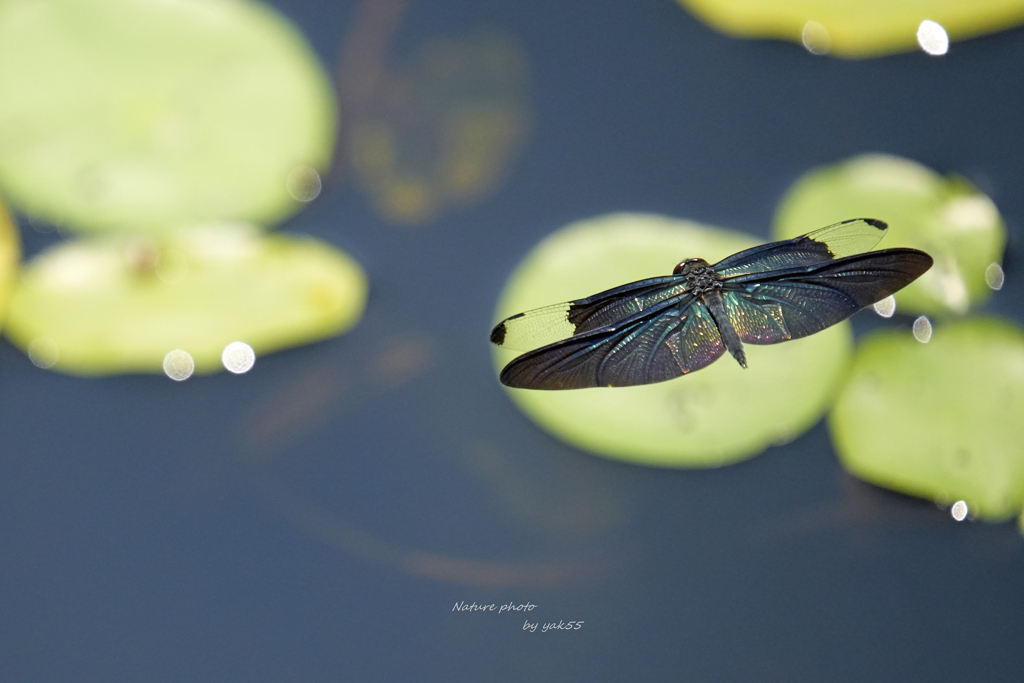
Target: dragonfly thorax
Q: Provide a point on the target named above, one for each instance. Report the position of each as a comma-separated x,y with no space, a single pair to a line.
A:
700,277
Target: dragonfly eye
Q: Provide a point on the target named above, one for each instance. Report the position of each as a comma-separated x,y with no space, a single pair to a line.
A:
689,265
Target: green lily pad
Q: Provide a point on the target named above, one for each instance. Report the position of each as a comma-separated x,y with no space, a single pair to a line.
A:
137,115
945,216
940,420
715,416
10,253
106,305
867,28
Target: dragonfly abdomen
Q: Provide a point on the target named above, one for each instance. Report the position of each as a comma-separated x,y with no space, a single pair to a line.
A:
715,302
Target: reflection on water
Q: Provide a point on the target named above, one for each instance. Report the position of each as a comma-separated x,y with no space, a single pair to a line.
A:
310,398
932,38
583,505
337,531
566,500
178,365
855,506
440,132
401,359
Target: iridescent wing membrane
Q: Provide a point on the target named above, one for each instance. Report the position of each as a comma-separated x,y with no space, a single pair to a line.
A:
549,324
658,329
821,246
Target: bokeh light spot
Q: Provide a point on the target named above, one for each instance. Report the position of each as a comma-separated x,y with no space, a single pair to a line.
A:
923,329
815,38
178,365
886,307
994,276
959,511
304,183
932,38
238,357
43,352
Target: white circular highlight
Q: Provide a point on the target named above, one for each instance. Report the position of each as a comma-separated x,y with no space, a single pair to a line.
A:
994,276
43,352
238,357
304,183
886,307
923,330
932,38
178,365
959,511
815,38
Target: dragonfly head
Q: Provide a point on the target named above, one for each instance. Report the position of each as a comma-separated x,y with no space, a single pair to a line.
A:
690,265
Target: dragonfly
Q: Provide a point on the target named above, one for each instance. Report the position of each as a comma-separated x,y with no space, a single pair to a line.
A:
660,328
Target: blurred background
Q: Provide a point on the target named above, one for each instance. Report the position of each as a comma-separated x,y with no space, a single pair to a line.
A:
318,516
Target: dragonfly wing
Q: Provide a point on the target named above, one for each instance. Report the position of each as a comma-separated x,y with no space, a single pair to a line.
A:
677,340
799,302
550,324
821,246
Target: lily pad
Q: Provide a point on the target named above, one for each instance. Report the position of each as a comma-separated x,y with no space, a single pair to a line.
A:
10,252
940,420
867,28
945,216
104,305
137,115
715,416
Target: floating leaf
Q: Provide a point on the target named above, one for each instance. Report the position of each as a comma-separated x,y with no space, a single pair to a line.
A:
718,415
137,115
940,420
107,305
10,252
867,28
947,217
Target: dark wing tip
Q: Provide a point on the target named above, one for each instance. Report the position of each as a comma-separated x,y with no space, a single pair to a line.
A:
501,329
498,334
511,378
924,259
916,257
881,225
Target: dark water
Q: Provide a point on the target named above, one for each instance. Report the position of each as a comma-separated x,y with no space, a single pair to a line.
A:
318,518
